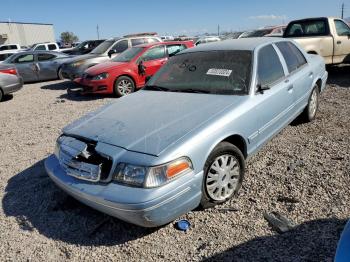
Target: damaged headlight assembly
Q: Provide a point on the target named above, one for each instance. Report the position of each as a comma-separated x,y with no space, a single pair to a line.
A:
149,177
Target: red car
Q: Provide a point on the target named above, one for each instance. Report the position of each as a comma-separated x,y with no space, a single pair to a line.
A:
129,70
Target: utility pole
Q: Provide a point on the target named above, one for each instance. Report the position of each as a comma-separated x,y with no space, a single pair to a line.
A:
98,32
218,30
342,11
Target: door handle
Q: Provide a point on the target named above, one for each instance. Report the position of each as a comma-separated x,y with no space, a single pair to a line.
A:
338,42
311,74
290,87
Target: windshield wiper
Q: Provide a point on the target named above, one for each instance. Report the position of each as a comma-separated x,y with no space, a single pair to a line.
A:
157,88
190,90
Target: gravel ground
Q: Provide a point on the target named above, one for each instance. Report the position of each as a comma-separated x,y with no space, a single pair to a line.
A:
303,173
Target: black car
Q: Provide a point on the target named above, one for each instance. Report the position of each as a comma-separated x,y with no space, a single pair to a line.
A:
84,47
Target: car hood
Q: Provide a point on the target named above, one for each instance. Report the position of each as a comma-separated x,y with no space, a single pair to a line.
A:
81,58
105,67
150,121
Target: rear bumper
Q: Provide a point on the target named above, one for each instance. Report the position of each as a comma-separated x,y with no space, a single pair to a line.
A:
71,73
13,87
108,198
324,80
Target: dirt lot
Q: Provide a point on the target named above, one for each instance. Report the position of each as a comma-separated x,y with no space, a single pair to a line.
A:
302,173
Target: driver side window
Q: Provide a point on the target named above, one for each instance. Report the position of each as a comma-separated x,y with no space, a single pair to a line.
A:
342,28
157,52
121,46
270,69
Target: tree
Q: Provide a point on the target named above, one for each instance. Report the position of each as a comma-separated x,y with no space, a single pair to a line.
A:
68,37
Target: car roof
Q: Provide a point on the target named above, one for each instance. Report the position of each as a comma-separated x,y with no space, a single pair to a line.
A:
41,52
161,43
248,44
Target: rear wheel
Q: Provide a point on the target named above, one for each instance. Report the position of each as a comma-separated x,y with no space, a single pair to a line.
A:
59,74
310,111
1,95
223,175
123,86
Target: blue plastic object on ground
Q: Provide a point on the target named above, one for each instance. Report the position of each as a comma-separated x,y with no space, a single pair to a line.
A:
343,249
183,225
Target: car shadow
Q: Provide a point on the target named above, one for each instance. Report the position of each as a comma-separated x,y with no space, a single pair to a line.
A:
60,85
339,75
6,98
311,241
36,203
75,96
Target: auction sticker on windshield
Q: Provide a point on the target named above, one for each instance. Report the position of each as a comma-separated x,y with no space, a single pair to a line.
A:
219,72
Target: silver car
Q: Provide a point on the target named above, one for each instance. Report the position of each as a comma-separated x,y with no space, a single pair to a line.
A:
184,139
35,66
104,52
10,82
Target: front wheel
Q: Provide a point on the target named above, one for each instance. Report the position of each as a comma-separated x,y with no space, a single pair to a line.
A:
223,175
310,110
123,86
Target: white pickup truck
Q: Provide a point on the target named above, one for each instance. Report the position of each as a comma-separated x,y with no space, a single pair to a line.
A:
328,37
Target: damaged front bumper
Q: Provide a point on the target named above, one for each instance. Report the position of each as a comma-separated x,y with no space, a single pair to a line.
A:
150,207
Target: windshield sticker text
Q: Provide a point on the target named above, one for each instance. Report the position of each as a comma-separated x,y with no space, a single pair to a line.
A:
219,72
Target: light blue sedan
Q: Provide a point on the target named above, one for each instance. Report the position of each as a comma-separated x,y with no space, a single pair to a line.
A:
184,139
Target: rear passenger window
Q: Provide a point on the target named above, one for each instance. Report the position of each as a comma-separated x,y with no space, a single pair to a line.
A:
292,55
40,47
137,41
270,69
13,47
24,58
52,47
45,57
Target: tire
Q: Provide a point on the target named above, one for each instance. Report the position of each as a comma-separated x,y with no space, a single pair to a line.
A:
1,95
218,186
123,86
59,74
310,111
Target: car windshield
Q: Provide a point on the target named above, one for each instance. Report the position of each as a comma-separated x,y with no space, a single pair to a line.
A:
128,54
259,33
215,72
103,47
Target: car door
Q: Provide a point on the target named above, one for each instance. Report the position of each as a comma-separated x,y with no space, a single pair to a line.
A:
26,67
342,44
153,59
274,104
300,75
47,68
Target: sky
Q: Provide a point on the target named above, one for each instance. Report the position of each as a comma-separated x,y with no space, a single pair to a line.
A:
176,17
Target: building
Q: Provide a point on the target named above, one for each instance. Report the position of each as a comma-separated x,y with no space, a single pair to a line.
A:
25,34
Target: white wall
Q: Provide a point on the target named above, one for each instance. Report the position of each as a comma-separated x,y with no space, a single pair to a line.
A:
26,34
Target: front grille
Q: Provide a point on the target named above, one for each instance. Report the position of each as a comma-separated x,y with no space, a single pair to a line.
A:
87,76
80,159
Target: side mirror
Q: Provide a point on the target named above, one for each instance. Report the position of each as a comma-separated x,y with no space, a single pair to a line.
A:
141,68
111,52
262,88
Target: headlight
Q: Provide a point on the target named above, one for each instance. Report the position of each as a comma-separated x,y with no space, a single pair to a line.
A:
100,76
148,177
76,64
